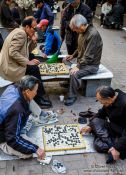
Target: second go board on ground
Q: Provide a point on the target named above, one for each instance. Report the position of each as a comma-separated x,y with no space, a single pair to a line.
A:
62,137
53,69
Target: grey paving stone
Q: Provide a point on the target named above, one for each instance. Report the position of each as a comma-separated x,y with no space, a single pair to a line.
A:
2,171
2,164
47,169
76,165
12,167
69,172
36,169
28,162
67,158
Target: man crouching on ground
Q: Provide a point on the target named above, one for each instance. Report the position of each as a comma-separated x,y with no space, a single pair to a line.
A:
109,124
14,112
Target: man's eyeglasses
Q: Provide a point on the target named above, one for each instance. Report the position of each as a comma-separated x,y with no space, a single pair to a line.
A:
34,28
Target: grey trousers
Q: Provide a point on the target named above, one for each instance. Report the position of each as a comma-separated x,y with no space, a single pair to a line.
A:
75,79
8,150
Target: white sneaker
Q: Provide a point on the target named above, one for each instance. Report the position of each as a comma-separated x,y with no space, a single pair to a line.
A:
58,167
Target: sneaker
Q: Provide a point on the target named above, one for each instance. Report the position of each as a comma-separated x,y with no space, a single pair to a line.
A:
58,167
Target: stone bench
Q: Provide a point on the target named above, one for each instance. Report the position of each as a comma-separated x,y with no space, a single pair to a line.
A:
3,84
89,83
92,82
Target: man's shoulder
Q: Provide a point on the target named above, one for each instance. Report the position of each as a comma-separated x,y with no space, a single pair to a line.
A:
8,98
122,97
84,6
18,33
92,30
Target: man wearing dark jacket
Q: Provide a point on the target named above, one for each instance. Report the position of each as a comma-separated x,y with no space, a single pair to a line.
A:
88,55
44,12
14,112
74,7
7,19
109,124
114,18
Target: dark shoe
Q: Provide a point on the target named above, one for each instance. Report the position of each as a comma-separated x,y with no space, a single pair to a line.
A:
110,159
82,120
70,101
43,103
87,114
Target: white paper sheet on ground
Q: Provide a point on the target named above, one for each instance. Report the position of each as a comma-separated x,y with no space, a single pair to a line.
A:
34,107
35,134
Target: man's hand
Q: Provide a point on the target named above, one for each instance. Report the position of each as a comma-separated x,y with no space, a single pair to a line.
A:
44,55
73,70
115,153
34,39
41,154
68,58
33,62
85,130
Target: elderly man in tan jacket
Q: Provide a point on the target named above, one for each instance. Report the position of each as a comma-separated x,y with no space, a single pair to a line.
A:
14,57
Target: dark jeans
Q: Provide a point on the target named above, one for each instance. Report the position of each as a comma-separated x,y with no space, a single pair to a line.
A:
34,71
102,19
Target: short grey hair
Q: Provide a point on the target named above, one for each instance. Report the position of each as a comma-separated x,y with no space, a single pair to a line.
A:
28,82
77,21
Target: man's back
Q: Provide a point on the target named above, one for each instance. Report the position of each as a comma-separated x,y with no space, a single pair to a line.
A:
89,47
69,12
14,55
117,13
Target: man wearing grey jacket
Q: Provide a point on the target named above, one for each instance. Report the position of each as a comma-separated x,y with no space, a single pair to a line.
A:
88,54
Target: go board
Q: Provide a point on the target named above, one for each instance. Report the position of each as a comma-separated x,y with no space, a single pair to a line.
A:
53,69
62,137
35,51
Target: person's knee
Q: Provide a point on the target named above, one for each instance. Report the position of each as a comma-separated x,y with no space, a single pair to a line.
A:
34,69
100,146
96,121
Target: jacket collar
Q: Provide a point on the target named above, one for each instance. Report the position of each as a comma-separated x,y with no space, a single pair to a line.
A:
23,101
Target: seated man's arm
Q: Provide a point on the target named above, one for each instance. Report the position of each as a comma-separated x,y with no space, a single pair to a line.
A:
101,113
12,134
16,45
33,43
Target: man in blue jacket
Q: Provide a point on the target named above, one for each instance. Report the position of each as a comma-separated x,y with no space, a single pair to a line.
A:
43,12
51,38
14,113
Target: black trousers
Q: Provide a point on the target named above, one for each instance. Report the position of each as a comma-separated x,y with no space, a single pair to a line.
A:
105,137
102,18
34,71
